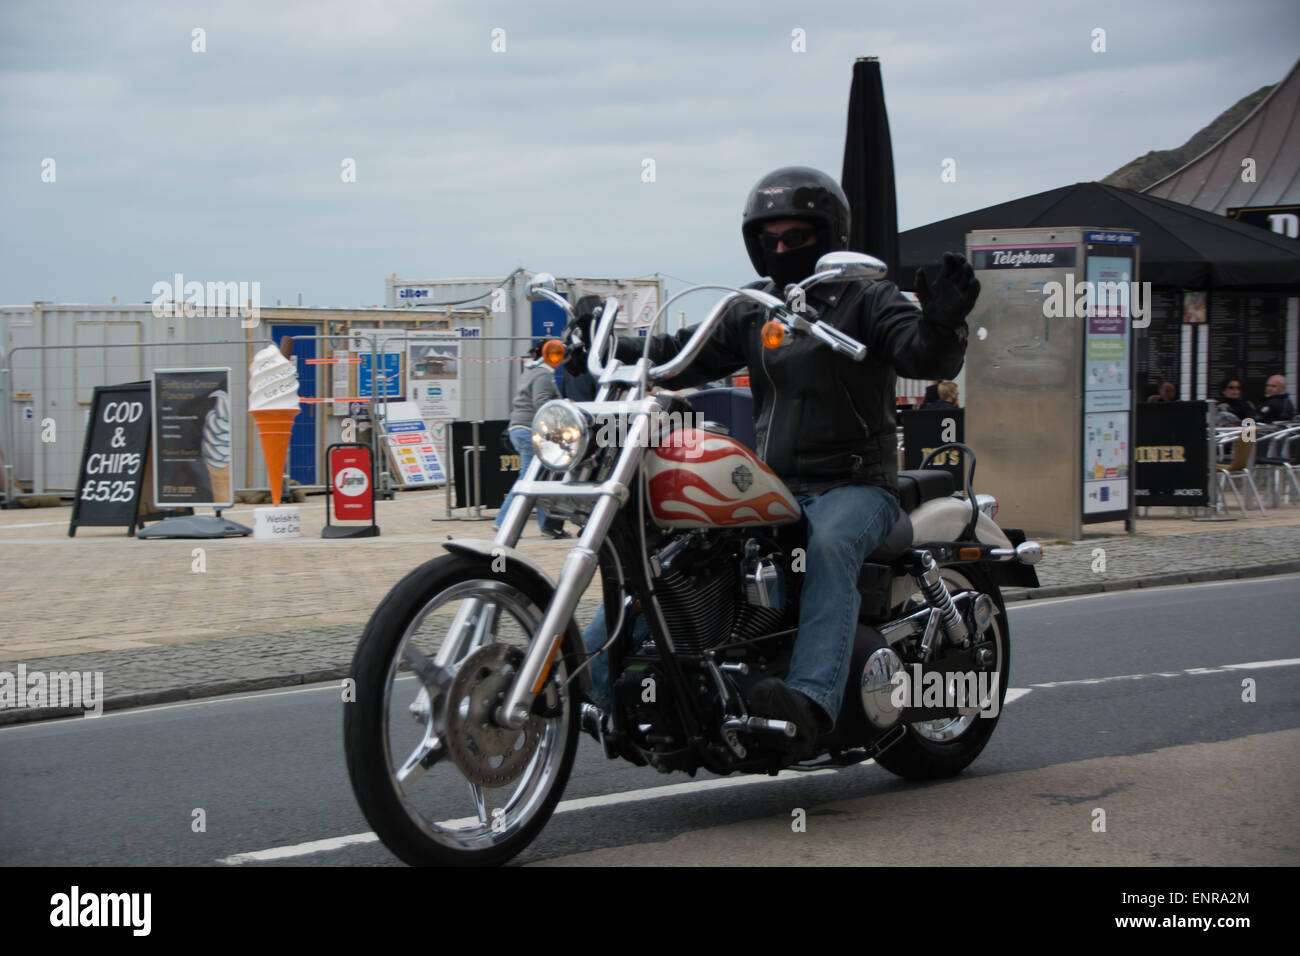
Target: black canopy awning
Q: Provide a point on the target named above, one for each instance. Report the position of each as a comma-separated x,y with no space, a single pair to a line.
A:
1182,247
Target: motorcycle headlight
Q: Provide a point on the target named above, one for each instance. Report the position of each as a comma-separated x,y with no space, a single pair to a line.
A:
561,433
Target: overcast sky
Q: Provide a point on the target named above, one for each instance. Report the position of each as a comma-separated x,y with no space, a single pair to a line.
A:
226,164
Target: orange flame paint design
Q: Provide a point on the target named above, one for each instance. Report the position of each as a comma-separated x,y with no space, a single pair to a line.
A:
668,489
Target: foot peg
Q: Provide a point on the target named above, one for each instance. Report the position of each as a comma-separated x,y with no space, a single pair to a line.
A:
591,720
760,725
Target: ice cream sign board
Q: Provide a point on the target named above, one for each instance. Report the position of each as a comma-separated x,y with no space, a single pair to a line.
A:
192,437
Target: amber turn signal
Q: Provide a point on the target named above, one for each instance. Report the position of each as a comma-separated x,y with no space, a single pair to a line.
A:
968,554
553,353
773,334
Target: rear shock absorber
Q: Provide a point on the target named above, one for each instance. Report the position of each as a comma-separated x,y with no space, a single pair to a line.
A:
936,594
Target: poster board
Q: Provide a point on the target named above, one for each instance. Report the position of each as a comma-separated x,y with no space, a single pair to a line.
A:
409,444
192,432
114,459
1111,269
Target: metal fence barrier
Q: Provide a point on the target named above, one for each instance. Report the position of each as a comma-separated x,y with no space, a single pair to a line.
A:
56,408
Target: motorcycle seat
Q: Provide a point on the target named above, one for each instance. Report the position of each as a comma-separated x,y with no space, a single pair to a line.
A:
895,544
922,485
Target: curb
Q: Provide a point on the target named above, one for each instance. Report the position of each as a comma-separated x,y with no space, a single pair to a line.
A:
221,688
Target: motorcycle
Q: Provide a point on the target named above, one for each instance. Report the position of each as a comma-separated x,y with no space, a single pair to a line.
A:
471,675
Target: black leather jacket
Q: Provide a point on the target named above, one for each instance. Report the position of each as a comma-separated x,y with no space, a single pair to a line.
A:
823,420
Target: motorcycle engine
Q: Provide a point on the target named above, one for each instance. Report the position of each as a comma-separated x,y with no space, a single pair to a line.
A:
703,587
697,587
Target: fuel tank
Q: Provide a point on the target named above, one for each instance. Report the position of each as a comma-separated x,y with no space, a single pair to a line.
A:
698,479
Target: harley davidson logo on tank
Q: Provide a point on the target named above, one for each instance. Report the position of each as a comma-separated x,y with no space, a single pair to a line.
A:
702,480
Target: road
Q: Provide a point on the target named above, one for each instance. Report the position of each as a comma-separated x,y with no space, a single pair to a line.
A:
1130,703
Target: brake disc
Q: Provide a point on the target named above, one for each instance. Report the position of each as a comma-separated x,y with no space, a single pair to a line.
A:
487,754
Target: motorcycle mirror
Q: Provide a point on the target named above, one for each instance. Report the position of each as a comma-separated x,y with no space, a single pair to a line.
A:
851,265
542,282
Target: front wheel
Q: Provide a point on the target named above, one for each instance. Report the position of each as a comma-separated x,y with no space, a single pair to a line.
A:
935,749
439,781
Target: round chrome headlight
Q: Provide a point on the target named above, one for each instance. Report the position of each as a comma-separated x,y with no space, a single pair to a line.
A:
561,433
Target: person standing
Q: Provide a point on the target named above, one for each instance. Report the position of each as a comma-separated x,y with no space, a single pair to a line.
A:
536,388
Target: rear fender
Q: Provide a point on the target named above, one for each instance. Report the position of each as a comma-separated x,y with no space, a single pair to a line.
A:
944,519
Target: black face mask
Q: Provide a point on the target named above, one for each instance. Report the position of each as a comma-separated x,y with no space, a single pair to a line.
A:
793,266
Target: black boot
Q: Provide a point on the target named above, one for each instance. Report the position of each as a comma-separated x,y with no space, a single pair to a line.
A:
771,698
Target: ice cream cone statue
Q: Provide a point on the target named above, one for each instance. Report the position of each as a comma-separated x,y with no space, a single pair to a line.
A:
273,403
216,447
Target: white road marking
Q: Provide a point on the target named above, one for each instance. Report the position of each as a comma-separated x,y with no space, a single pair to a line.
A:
567,806
1186,672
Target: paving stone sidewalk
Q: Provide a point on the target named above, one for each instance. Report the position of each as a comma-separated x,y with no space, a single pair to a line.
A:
135,676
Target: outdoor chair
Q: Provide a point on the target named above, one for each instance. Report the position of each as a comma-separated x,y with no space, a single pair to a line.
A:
1276,458
1243,453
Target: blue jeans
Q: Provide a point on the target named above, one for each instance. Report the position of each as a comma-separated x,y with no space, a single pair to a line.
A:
845,524
522,439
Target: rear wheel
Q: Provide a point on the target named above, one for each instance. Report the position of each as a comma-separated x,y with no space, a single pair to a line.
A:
935,749
438,780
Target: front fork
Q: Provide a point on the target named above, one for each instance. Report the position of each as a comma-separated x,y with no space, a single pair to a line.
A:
575,577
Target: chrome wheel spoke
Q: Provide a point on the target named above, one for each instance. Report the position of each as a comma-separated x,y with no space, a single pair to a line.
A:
482,803
485,625
421,759
420,665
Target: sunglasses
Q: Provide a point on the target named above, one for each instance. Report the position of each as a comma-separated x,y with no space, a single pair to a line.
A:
793,238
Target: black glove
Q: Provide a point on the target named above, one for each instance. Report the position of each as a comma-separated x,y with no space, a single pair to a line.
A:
953,294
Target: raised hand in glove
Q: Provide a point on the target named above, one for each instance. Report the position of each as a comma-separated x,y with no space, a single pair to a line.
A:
949,300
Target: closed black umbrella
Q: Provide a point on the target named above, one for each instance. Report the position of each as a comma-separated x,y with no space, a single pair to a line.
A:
868,177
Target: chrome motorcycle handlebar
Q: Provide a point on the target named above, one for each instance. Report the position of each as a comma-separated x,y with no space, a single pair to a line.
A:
542,288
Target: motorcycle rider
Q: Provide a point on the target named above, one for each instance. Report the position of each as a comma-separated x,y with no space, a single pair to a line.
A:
824,424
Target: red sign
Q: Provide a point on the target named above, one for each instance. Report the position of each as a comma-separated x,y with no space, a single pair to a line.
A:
352,480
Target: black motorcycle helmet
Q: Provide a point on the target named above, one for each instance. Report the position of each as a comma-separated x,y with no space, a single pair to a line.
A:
796,192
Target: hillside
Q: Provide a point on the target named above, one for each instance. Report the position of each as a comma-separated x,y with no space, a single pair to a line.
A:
1156,165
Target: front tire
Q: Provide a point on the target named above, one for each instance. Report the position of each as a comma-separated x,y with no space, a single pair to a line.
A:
439,783
933,750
